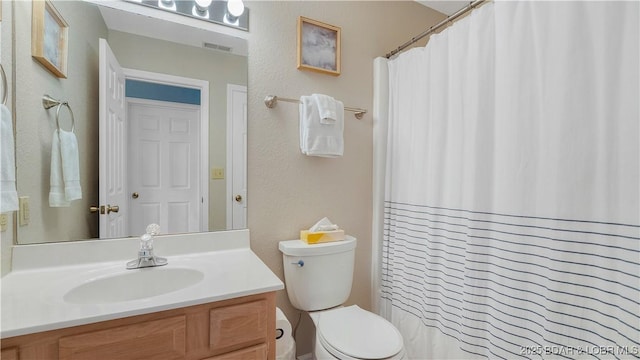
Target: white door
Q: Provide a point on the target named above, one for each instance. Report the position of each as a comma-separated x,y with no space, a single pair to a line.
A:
236,156
164,166
112,146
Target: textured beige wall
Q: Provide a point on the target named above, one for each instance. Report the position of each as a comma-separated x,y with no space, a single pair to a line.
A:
218,68
287,190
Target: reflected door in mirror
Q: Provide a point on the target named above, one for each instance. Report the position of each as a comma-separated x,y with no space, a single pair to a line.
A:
164,165
112,145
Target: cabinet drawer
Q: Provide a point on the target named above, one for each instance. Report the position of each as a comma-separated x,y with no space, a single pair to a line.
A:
253,353
238,326
163,339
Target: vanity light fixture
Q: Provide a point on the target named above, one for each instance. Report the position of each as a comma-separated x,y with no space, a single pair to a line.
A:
230,13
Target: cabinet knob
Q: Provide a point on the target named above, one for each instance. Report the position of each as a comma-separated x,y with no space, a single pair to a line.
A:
238,198
135,195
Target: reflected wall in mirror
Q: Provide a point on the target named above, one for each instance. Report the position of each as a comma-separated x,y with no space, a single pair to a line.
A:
146,45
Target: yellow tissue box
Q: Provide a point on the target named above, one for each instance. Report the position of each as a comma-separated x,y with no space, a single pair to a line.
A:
321,236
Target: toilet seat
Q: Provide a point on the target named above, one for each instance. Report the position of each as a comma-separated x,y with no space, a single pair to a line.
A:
353,333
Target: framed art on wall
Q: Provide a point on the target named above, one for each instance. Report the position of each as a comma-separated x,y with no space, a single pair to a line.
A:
318,46
49,38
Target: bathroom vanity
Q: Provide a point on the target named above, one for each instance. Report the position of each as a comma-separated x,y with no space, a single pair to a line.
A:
242,328
214,300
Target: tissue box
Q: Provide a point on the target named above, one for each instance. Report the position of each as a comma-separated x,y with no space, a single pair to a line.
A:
321,236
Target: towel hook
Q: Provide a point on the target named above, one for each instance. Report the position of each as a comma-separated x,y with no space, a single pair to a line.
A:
5,87
48,102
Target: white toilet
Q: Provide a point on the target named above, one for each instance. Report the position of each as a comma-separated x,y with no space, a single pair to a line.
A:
318,279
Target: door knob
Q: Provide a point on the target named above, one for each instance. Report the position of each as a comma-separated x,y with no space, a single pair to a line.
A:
238,198
104,209
135,195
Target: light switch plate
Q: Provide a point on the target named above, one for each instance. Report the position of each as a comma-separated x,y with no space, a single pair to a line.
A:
4,222
217,173
24,213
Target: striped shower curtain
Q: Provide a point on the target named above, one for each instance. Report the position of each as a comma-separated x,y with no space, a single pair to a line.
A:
511,206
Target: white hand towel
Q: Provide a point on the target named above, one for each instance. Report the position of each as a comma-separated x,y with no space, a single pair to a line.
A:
317,139
70,165
326,108
8,193
56,180
65,169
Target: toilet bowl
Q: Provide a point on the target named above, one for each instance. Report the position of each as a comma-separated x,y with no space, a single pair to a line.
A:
318,280
354,333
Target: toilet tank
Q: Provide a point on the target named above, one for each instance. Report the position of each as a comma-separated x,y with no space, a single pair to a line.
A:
318,276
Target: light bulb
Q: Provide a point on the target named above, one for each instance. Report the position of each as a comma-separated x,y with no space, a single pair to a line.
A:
203,5
235,8
167,5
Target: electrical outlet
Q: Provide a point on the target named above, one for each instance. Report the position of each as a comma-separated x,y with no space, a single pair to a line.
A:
4,222
24,213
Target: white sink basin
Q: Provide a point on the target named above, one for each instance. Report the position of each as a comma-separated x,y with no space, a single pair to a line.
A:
133,285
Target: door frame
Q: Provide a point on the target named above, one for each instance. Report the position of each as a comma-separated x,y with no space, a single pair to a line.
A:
203,86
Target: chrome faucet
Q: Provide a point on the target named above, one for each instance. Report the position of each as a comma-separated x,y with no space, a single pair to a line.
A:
146,258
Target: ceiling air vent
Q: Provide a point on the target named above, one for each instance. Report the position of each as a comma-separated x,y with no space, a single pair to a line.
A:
217,47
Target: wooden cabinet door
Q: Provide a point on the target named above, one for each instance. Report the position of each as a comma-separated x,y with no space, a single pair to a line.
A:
163,339
238,326
9,354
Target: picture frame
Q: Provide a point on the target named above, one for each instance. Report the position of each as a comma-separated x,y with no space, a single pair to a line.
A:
318,46
49,37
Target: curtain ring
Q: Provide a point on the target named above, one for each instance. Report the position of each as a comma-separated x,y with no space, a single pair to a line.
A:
73,122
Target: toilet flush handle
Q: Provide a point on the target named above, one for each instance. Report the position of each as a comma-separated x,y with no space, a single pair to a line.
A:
300,263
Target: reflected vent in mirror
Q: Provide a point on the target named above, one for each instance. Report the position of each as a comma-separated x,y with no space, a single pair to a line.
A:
217,47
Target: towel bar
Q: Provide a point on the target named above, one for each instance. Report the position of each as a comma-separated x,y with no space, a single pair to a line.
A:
271,100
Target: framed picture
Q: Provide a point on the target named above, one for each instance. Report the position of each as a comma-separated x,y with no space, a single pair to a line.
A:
318,46
49,38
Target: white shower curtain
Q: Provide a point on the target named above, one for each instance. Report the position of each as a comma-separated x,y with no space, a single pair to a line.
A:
511,210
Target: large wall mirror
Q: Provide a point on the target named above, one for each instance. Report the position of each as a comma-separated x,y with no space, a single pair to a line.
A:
185,131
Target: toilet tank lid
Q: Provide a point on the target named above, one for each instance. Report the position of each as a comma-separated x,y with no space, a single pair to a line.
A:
301,248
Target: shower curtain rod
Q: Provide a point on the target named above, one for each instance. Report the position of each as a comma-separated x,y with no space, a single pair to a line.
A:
431,30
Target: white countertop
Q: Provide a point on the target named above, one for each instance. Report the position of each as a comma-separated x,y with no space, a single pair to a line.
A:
32,296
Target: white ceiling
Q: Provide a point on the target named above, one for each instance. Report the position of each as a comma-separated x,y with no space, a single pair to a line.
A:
447,7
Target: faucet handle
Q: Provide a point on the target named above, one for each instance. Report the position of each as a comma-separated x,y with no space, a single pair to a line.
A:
153,229
146,242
